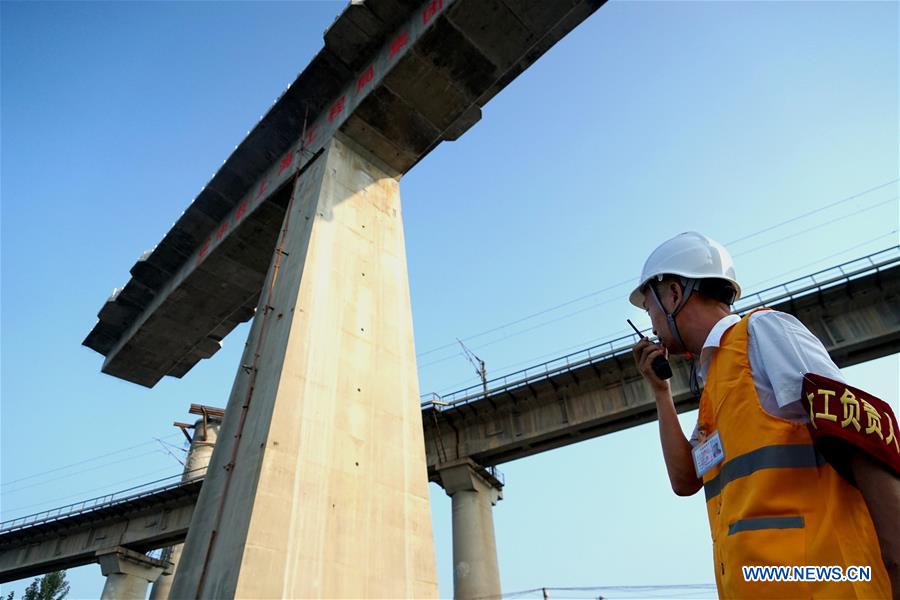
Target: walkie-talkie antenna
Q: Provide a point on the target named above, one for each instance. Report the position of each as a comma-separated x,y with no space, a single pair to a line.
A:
636,330
660,365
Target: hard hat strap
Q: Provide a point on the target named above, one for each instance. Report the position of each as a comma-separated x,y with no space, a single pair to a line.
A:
694,378
689,288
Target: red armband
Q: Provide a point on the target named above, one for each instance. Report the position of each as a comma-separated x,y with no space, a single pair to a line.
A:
842,411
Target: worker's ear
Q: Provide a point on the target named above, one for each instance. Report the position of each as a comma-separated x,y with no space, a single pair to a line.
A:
676,290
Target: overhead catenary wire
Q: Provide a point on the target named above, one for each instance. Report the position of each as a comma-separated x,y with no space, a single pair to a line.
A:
453,387
530,316
766,229
87,460
497,328
632,280
169,452
812,212
80,472
82,492
892,232
529,329
819,226
532,360
615,334
675,590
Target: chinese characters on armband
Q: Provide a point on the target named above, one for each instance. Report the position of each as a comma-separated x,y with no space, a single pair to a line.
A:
845,412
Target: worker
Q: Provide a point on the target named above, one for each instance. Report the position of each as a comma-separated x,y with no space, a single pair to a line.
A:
782,488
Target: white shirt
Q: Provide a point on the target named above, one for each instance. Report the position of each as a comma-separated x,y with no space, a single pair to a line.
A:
780,349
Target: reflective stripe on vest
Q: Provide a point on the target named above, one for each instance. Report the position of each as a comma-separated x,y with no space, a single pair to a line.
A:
774,500
795,522
767,457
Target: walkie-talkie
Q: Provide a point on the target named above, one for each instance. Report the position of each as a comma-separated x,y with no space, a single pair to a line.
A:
660,364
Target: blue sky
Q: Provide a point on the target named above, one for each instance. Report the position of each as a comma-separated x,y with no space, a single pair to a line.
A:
648,120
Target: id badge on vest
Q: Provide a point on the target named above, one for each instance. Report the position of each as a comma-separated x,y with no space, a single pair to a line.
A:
708,454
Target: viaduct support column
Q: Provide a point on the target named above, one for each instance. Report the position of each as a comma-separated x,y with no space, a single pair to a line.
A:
318,485
473,491
127,573
198,457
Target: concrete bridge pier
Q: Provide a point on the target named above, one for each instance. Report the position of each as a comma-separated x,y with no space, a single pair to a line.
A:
473,491
202,444
128,573
318,486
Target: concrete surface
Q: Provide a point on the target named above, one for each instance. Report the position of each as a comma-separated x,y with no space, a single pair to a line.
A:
856,321
141,524
202,444
318,486
127,573
475,570
375,81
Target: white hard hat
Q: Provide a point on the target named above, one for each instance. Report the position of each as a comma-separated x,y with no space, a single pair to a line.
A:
691,255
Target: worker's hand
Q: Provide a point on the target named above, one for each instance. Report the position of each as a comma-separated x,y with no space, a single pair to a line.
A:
644,353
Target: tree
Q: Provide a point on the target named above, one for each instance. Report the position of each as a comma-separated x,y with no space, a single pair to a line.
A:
52,586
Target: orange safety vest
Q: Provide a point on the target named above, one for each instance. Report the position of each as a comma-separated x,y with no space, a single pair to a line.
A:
773,500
